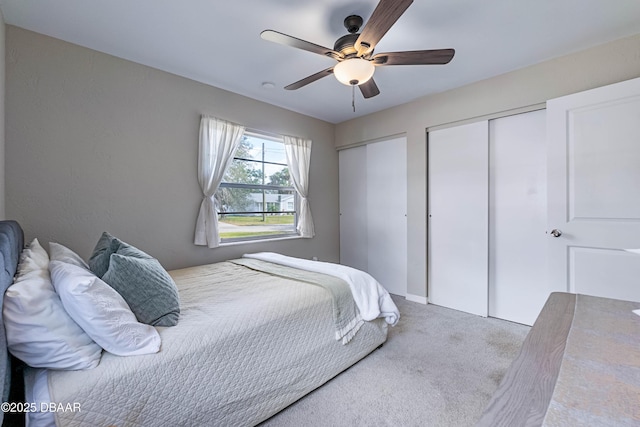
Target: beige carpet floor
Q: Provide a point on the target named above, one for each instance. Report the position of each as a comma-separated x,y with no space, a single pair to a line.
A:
439,367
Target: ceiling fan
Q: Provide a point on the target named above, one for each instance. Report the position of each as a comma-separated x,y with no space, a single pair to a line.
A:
354,51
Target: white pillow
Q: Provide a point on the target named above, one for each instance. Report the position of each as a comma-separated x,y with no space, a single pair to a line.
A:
102,312
62,253
39,330
32,258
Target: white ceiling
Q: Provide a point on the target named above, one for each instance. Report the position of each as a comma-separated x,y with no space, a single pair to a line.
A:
218,42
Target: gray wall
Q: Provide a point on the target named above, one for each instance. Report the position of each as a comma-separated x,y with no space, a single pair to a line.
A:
99,143
598,66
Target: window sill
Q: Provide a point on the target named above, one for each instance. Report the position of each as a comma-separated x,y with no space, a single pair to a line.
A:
255,241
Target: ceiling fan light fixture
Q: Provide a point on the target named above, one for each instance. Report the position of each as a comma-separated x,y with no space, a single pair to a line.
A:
354,71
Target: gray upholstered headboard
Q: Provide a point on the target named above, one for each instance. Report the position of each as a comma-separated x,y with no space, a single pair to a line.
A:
11,244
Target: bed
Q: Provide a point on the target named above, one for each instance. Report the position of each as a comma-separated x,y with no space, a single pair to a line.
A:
253,337
578,366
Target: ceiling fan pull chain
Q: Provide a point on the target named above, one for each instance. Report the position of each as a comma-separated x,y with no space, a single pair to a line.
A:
353,97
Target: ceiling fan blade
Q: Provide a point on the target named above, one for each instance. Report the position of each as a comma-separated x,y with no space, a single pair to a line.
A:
414,57
276,37
310,79
383,17
369,89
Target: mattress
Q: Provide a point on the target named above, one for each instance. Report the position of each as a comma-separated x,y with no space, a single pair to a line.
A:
36,393
248,344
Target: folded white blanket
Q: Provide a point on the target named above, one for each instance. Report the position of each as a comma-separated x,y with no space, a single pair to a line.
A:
372,299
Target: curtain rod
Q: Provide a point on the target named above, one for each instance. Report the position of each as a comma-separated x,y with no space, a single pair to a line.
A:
257,132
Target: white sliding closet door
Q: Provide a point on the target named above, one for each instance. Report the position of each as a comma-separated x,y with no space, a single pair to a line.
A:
458,181
487,217
373,206
387,213
353,201
517,217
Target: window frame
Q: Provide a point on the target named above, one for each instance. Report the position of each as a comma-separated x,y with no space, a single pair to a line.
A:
262,187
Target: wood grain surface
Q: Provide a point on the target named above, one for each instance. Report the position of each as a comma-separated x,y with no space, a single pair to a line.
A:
524,394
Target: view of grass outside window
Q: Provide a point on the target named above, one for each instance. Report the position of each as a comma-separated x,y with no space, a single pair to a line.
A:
256,199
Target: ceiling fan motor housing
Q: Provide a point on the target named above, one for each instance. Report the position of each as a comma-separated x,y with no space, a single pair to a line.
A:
344,44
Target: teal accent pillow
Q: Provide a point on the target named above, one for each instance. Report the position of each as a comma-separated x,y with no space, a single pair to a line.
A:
139,278
125,249
106,246
99,259
146,286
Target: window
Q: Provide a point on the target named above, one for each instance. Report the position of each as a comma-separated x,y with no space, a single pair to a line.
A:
256,199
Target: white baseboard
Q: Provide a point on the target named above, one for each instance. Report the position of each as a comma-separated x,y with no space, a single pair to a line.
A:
416,298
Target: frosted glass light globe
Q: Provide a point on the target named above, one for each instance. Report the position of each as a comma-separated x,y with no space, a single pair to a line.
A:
354,71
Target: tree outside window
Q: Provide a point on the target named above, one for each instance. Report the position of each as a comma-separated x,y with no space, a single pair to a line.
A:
256,199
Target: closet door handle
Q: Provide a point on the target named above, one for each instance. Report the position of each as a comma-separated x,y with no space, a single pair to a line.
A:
556,233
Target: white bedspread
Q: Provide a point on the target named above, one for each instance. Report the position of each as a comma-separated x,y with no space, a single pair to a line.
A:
247,345
372,299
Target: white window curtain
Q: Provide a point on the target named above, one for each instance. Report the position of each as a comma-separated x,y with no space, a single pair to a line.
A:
218,142
298,152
